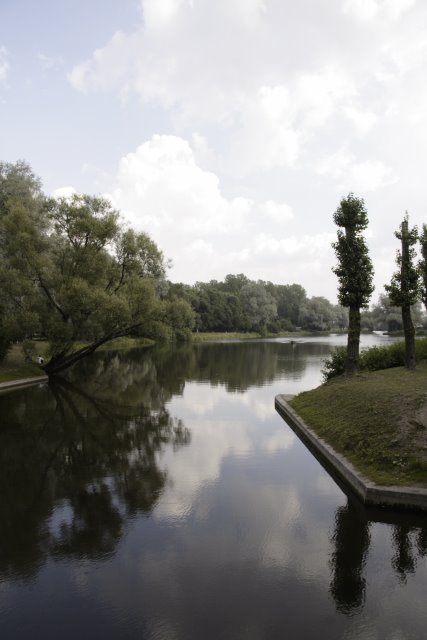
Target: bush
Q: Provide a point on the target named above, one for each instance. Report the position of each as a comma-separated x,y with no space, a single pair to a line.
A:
334,365
4,346
373,359
386,357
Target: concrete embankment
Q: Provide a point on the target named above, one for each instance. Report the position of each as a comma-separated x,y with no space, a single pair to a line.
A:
23,382
414,498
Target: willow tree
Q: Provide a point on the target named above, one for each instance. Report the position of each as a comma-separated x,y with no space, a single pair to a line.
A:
74,273
21,198
404,288
354,270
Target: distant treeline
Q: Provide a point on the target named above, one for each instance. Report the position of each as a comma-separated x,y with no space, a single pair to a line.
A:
240,304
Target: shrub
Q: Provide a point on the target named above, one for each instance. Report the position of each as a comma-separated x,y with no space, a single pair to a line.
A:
4,346
373,359
334,365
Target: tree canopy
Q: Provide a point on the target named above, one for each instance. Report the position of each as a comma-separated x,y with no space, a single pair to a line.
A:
404,288
72,271
354,269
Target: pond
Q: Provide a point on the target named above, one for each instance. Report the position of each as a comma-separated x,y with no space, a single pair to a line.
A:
156,494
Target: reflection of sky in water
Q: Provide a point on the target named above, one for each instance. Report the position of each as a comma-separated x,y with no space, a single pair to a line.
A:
250,538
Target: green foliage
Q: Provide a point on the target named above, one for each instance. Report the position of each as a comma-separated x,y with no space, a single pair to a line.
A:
238,304
422,265
404,288
317,314
70,270
373,359
383,316
4,345
259,305
29,350
385,357
354,269
334,364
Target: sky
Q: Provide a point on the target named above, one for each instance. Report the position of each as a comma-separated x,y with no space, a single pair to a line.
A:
228,130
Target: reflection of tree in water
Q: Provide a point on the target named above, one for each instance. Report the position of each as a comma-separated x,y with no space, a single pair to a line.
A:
237,365
76,465
410,543
351,541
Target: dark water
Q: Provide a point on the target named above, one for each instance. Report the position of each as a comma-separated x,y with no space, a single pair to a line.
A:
156,494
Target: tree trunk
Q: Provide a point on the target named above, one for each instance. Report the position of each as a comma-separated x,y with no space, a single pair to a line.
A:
62,362
353,340
409,331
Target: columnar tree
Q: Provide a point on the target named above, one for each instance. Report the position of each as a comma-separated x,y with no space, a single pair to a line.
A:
404,288
354,270
423,265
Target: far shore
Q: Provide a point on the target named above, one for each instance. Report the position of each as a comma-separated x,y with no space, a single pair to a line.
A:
16,367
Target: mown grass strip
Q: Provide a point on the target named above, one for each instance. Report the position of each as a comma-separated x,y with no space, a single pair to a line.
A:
377,420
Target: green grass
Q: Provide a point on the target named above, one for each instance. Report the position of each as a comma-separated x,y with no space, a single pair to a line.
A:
14,366
226,335
251,335
121,344
377,420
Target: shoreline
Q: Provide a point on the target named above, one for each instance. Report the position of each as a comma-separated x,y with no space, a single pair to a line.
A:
22,382
370,493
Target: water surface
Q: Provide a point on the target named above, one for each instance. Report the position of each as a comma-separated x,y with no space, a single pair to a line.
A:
156,494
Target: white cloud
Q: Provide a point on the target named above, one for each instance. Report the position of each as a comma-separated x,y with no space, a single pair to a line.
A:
49,62
158,14
266,129
315,246
358,177
64,192
161,189
277,212
213,440
4,64
367,176
370,10
108,66
258,107
364,120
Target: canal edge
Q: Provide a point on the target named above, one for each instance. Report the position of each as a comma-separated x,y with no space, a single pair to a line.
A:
414,498
22,382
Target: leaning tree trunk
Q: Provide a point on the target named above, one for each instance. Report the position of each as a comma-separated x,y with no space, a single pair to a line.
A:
409,331
353,341
65,360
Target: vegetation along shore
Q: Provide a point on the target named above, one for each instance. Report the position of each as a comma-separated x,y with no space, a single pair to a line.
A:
377,419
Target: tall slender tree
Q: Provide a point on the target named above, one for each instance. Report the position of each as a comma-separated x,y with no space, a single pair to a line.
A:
354,270
404,288
422,265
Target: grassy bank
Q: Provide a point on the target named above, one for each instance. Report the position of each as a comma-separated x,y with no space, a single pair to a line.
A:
212,336
378,420
15,367
215,336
